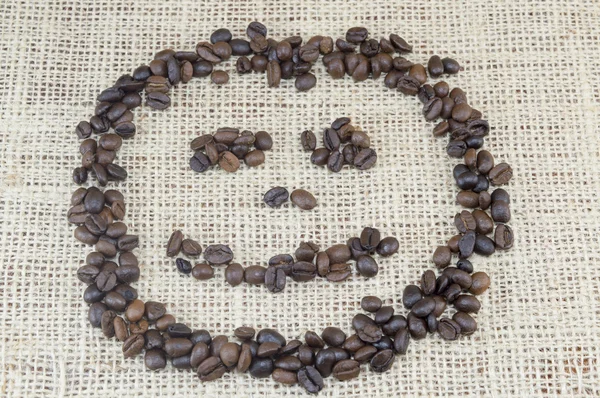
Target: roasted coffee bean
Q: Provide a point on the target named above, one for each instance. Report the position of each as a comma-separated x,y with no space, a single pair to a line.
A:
254,158
417,327
83,130
96,259
157,84
259,44
353,344
125,130
442,256
333,337
243,65
448,329
200,142
155,359
174,243
128,273
191,248
466,303
352,61
360,139
349,153
305,82
290,348
202,68
303,199
218,254
458,95
95,313
426,93
189,56
367,266
418,72
331,140
428,282
179,330
467,324
344,46
308,140
230,354
255,275
467,180
133,345
211,369
261,367
206,52
120,328
273,74
262,140
400,44
324,361
259,63
244,333
365,159
423,307
306,355
396,322
200,352
384,314
456,148
319,156
285,376
116,172
182,362
308,53
276,196
503,237
201,336
310,378
484,223
158,100
362,70
365,353
450,66
87,274
99,124
112,94
369,48
323,264
267,350
500,174
220,35
335,161
485,162
107,323
370,238
432,108
370,303
142,73
219,77
217,343
306,251
484,245
178,346
88,145
127,243
382,361
135,311
303,271
234,274
222,50
203,272
356,35
466,244
275,279
338,272
154,310
411,295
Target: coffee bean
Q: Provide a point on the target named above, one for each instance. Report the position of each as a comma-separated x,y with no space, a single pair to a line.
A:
303,199
411,295
222,50
229,354
219,77
382,361
211,369
310,379
356,35
218,254
263,141
306,251
467,324
133,345
333,337
448,329
273,74
450,66
331,140
305,82
481,282
154,310
503,237
367,266
83,130
276,196
275,279
466,303
309,141
128,273
259,63
191,248
320,156
200,142
365,159
174,243
500,174
154,339
135,311
158,100
261,367
254,158
255,275
234,274
80,175
202,272
303,271
400,44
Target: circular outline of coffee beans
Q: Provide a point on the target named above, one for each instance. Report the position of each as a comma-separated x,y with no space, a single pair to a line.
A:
147,326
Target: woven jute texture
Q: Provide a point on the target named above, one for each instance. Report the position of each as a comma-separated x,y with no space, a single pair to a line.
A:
531,67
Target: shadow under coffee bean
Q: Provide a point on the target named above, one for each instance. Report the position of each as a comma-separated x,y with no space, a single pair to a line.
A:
147,327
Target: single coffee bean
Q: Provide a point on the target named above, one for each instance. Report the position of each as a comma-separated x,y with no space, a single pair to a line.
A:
365,159
179,330
154,310
382,361
244,333
333,337
128,273
158,100
133,345
485,162
356,35
335,162
442,256
163,323
83,130
155,359
95,314
230,354
234,274
261,367
331,140
259,63
484,245
305,82
273,74
370,303
263,141
417,327
448,329
367,266
388,246
191,248
309,141
135,311
243,65
450,66
222,50
303,199
203,272
310,378
349,153
211,369
218,254
219,77
276,196
220,35
411,295
503,237
370,238
303,271
466,303
500,194
467,324
200,142
400,44
384,314
174,243
254,158
320,156
500,174
127,243
275,279
255,275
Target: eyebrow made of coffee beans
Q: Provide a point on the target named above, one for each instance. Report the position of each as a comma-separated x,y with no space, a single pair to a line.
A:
227,147
145,326
343,144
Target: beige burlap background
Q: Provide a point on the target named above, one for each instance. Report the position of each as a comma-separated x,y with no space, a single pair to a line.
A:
530,66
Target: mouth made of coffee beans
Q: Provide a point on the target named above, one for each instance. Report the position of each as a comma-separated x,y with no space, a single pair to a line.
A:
145,326
343,144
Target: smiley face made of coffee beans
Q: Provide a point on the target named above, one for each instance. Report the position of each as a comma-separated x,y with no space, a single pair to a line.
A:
376,340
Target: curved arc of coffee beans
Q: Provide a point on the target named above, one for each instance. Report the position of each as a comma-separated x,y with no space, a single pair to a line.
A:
97,215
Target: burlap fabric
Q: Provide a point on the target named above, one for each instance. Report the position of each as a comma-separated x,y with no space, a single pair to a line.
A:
531,67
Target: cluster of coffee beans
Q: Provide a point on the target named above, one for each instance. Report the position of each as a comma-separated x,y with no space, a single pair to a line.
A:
112,267
343,145
277,196
227,147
